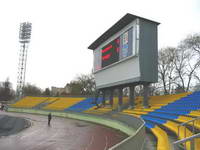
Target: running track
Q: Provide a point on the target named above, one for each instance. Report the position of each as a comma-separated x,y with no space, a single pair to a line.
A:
63,134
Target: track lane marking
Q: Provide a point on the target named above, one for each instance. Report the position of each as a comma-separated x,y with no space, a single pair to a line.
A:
45,141
91,142
106,138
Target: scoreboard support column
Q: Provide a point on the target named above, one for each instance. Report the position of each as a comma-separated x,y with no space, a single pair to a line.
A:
146,95
120,98
132,96
104,97
97,93
111,97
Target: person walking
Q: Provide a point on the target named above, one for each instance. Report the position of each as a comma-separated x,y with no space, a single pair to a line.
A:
2,107
49,119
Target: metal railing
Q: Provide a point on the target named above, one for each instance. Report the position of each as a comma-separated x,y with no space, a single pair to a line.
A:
187,139
191,139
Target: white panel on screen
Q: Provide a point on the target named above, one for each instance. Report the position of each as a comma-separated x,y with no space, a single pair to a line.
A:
126,70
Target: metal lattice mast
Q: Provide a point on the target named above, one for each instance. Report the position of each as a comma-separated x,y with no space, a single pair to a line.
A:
24,39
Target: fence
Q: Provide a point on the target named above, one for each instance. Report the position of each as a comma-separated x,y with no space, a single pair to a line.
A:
190,139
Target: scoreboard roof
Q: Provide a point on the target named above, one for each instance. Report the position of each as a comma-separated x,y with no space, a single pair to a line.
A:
128,18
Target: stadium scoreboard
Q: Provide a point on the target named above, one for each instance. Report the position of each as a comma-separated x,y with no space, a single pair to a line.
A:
126,53
116,50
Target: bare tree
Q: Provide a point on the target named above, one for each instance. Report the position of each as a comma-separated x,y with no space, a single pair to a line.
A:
186,64
6,91
193,42
75,87
87,82
178,66
47,92
139,90
31,90
166,67
155,89
82,84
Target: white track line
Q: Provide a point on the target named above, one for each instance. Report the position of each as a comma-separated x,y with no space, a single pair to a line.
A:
91,142
106,146
29,134
44,141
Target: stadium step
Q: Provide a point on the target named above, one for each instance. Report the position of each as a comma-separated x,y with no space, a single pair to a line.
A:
161,136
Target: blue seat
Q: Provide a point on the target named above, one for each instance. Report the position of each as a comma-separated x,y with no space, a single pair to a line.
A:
173,111
149,124
84,105
163,115
154,120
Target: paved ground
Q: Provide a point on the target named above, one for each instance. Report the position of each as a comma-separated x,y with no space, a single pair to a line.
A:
63,134
10,125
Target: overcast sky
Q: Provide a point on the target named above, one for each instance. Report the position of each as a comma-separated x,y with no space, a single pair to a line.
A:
63,29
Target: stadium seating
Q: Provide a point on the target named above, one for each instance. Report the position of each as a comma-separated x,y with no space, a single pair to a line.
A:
107,108
168,113
29,102
161,135
63,103
165,113
84,105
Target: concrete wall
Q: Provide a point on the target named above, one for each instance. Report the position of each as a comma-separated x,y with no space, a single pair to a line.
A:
134,142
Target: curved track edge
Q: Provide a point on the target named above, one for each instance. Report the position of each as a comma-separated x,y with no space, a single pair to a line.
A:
135,136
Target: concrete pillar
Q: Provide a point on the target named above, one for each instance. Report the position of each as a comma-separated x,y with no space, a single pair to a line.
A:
132,96
104,97
120,98
96,97
111,97
146,95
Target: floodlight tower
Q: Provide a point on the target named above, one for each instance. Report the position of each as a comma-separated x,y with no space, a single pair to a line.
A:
24,40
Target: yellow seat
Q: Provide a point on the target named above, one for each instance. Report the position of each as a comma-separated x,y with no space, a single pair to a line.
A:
29,102
162,138
63,103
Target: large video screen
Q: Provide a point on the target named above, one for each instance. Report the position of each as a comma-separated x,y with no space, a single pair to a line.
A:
116,50
110,53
